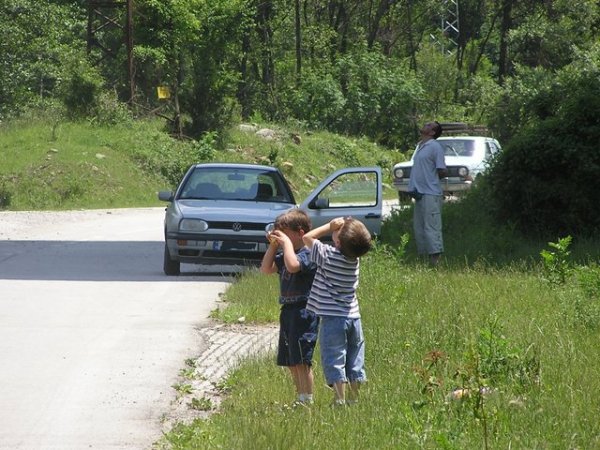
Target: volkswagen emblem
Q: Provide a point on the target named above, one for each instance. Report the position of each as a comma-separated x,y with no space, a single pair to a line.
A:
237,226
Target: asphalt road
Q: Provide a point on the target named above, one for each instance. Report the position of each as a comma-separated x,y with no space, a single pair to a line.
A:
92,334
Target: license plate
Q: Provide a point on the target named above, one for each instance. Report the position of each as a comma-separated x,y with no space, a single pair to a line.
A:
227,246
247,246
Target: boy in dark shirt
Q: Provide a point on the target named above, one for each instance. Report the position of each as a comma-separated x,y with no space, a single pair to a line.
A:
298,327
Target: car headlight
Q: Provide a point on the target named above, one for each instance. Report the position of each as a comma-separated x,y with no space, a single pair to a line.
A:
399,173
270,227
193,225
463,171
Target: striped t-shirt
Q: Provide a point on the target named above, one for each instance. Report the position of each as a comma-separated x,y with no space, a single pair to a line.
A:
333,291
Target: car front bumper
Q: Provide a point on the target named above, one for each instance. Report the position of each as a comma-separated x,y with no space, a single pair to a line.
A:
449,185
216,249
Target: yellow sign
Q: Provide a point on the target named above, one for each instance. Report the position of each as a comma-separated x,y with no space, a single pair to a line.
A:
163,92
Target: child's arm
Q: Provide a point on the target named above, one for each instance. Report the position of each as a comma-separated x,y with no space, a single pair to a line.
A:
290,259
267,264
317,233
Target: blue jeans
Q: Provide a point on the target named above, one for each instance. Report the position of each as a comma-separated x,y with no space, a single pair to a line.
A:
342,349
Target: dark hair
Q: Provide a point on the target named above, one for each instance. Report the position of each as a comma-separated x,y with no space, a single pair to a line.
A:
355,239
295,219
438,130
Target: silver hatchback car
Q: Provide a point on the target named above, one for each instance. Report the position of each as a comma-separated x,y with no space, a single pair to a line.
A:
220,212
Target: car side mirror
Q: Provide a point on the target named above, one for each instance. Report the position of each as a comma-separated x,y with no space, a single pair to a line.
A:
165,196
321,203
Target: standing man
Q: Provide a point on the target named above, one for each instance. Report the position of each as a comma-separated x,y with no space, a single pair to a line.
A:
424,186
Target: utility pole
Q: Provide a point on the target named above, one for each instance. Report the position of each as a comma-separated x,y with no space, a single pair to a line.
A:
110,27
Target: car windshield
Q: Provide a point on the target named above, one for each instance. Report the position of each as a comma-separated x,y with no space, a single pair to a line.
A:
458,147
216,183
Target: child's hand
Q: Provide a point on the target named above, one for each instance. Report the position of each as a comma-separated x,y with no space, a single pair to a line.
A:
277,237
272,238
336,223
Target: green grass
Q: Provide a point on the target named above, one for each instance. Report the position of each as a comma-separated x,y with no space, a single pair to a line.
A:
428,332
473,238
76,166
319,154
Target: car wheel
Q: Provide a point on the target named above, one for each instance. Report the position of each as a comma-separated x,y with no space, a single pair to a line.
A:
170,266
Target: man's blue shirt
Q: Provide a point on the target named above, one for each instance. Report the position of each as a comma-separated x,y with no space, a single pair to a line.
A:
424,178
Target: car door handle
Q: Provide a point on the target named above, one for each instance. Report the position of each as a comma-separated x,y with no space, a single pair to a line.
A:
373,216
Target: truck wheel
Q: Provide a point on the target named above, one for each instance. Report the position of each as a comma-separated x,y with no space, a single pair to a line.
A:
170,266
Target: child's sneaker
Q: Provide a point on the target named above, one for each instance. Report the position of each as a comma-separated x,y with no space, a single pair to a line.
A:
298,404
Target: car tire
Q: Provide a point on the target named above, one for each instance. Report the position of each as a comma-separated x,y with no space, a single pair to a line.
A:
170,266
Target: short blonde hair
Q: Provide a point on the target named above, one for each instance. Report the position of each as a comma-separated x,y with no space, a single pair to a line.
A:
355,239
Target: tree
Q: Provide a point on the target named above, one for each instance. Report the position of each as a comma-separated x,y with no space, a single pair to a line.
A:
39,41
504,63
165,31
190,45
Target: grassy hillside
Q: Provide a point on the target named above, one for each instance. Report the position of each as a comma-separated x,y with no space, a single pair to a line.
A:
73,166
80,165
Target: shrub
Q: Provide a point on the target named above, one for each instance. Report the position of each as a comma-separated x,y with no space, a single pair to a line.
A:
108,110
545,180
319,101
204,148
557,267
380,99
81,90
581,298
363,95
5,195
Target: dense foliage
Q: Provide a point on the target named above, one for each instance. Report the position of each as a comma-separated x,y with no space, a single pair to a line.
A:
545,180
371,68
40,42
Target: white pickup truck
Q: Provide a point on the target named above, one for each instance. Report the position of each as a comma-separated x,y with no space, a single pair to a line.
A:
466,158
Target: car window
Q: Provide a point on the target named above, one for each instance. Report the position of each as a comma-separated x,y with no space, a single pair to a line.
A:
493,148
235,184
458,147
488,150
354,191
351,189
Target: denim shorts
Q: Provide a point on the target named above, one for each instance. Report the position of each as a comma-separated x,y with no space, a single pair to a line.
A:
297,335
342,349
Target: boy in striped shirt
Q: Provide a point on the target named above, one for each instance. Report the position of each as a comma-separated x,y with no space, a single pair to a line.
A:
333,299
